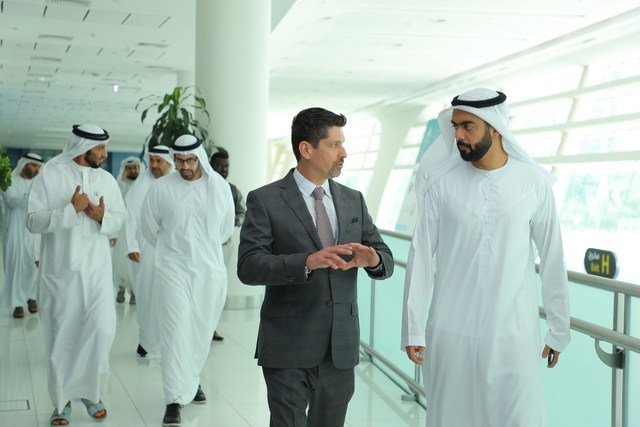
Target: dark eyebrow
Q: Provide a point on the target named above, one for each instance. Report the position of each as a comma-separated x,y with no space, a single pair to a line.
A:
466,122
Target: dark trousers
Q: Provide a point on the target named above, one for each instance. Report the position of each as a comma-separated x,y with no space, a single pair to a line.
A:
325,389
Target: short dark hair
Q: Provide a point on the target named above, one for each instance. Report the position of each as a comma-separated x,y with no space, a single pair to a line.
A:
312,125
218,155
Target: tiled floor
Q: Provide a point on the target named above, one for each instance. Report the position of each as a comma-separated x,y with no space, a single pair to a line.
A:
231,380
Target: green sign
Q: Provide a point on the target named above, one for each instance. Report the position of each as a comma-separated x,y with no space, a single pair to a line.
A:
601,263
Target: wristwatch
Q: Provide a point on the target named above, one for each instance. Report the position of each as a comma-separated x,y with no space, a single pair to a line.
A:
307,272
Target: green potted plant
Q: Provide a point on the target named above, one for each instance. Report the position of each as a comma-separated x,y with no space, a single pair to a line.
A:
5,172
176,117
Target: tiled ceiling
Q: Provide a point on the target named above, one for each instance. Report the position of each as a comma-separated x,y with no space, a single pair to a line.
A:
59,59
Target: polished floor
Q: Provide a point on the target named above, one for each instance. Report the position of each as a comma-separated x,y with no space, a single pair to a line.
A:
231,380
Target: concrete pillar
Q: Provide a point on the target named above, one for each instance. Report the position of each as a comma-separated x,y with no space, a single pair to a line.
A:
394,126
232,73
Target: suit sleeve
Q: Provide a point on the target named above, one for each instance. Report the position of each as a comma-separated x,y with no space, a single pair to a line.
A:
257,264
371,237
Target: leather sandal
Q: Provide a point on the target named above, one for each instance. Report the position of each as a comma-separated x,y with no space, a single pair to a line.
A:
65,415
94,408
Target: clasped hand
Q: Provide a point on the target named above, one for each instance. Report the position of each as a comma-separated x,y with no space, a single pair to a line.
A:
358,255
81,202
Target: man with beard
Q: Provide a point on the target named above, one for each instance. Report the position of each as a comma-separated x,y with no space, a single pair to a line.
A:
130,168
18,244
187,216
304,238
75,206
220,163
141,252
481,211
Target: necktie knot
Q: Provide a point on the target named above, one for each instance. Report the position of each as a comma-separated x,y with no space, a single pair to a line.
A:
318,193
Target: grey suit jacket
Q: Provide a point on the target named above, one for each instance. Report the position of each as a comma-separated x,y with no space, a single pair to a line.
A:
301,318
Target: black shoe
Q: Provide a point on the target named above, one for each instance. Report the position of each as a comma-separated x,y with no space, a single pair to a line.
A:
141,351
217,337
200,397
172,415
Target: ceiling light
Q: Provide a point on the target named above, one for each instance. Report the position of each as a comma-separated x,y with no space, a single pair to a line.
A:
116,88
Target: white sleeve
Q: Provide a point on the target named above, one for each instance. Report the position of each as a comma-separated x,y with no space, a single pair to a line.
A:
115,213
130,232
40,219
545,230
419,276
229,218
150,222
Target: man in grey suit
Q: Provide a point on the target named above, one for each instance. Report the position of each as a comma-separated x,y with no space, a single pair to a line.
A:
303,238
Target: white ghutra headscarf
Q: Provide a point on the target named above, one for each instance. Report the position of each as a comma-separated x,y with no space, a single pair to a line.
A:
24,161
442,156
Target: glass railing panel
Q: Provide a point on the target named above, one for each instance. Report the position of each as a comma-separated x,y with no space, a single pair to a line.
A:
578,369
399,246
590,304
388,321
364,304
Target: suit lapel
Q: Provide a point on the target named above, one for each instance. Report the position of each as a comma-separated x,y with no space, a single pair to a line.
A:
293,198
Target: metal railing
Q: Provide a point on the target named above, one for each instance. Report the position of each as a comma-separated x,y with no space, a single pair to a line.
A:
621,341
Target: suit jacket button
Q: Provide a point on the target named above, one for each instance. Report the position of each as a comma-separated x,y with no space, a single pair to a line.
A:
329,303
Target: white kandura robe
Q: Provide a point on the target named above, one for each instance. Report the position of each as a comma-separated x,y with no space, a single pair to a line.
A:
20,269
76,289
483,351
191,278
122,268
144,271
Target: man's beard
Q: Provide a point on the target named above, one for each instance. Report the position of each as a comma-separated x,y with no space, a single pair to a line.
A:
91,161
132,177
478,152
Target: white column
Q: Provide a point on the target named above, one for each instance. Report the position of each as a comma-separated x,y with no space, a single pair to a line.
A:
394,126
232,73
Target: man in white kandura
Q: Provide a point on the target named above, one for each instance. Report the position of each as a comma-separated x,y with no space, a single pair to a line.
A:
187,216
130,169
18,244
141,252
75,206
483,212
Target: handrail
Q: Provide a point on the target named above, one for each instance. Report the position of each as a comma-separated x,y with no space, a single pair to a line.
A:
601,333
578,325
414,386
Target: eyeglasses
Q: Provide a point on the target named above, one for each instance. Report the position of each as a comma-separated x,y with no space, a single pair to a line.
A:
190,161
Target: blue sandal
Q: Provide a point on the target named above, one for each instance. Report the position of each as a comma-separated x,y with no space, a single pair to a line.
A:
93,408
65,415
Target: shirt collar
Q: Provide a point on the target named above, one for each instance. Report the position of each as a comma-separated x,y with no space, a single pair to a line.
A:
307,187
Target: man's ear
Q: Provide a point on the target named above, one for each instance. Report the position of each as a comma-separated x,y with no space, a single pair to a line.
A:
305,149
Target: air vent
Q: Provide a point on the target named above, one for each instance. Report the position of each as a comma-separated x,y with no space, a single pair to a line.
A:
85,3
54,37
155,45
45,59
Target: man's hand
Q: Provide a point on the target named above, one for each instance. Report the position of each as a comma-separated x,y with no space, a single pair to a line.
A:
329,258
80,201
96,212
551,355
416,354
363,256
134,256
